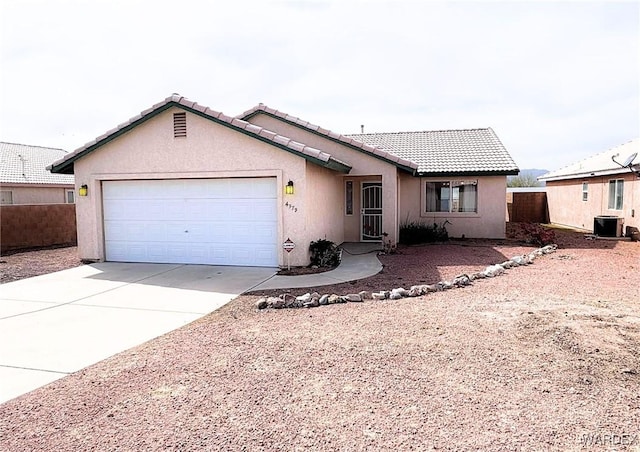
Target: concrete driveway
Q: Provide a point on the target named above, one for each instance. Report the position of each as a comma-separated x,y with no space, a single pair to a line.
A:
56,324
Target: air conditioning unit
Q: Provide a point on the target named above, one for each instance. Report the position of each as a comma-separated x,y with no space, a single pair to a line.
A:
607,226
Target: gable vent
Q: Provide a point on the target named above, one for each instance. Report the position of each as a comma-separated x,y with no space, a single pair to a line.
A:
179,125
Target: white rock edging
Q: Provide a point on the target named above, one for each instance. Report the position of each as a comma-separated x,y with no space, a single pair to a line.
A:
311,300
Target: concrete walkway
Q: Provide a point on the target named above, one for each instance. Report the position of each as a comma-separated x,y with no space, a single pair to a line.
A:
56,324
359,261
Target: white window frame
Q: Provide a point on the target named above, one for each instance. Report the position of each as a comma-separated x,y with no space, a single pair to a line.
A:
585,191
68,192
616,198
451,181
4,197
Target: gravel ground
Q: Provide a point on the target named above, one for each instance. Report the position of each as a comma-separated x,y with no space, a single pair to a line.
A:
26,264
546,357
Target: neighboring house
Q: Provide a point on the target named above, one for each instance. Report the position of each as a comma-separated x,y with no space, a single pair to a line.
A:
597,187
25,179
182,183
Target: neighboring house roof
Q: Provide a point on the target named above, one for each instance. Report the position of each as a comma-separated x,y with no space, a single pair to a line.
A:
314,155
348,140
447,152
23,164
598,165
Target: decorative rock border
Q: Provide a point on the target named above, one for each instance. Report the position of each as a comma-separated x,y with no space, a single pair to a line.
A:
312,300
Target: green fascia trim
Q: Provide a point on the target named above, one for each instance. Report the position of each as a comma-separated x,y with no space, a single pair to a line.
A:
67,167
322,135
468,173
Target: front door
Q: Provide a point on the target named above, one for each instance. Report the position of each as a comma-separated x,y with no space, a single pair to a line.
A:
371,207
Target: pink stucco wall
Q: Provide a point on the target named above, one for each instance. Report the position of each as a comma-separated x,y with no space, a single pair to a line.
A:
488,222
29,194
324,219
365,166
566,206
210,151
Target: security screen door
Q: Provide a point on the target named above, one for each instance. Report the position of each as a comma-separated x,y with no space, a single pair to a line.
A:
371,224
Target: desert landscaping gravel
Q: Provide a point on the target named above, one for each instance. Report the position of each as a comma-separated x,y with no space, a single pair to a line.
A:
25,264
545,357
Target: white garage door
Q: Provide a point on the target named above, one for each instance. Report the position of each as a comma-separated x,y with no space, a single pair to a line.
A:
192,221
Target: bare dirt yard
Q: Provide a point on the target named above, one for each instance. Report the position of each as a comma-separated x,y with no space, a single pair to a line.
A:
545,357
25,264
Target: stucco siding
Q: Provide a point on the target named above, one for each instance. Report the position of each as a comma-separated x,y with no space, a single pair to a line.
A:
210,150
362,164
566,205
324,219
37,195
488,222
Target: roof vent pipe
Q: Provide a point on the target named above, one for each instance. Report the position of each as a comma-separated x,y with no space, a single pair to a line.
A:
362,128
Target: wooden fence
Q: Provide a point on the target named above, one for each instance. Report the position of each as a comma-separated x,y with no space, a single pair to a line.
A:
527,207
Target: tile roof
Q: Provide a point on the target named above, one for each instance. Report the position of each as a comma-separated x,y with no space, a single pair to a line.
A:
23,164
348,140
315,155
447,152
600,164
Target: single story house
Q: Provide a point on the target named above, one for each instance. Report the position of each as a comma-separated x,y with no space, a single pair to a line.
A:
182,183
25,179
597,191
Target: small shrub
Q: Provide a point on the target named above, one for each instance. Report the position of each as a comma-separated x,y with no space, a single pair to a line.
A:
389,246
412,233
538,235
324,253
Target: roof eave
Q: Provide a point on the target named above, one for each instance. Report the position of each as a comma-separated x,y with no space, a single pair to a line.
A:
336,165
585,175
256,111
512,172
66,166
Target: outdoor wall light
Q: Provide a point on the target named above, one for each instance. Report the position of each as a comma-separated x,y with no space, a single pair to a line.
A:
288,189
83,190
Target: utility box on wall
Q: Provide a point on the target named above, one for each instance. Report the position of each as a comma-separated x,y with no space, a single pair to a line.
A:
607,226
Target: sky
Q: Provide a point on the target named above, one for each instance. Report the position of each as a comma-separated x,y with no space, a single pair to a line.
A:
557,81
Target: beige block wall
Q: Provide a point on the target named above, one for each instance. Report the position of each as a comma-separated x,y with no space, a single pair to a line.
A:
488,222
566,206
361,163
24,194
210,151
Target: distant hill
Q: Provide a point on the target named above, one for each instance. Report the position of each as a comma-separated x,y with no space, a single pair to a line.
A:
531,172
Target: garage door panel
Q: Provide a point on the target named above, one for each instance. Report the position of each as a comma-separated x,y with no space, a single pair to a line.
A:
207,210
265,255
177,252
242,254
263,210
197,232
219,232
117,251
174,208
208,221
134,252
240,210
219,253
264,233
261,188
156,251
